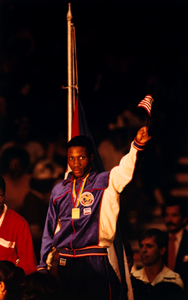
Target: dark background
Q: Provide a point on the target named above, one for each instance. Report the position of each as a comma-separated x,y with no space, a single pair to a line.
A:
125,50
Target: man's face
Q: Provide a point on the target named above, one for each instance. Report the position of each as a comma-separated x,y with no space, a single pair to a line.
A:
2,200
173,219
150,252
79,160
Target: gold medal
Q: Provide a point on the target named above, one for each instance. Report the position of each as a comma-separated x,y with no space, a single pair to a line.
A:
75,213
76,210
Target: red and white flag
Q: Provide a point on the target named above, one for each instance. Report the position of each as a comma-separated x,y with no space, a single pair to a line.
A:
146,103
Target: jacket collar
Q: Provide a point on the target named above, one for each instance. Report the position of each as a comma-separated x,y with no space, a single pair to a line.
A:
92,174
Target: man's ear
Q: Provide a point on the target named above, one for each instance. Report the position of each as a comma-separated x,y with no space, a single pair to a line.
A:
2,288
184,221
92,157
162,250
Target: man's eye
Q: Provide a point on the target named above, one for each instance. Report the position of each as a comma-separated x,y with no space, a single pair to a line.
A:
70,158
81,157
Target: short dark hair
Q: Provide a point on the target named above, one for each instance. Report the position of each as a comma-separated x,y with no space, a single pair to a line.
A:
81,141
2,184
14,152
161,238
176,201
13,278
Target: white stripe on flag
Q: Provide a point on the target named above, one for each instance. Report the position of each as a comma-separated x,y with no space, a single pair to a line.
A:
146,103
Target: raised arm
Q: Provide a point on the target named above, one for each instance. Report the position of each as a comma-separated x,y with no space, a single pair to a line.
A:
119,177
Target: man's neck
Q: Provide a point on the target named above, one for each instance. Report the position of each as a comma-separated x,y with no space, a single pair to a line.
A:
154,270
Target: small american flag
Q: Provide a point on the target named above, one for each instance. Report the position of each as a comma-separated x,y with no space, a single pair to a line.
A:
146,103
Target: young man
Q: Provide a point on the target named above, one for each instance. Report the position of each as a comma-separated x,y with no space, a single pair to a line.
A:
81,220
15,238
152,246
175,218
140,289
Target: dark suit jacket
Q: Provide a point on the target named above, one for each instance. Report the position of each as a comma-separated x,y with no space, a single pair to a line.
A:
181,265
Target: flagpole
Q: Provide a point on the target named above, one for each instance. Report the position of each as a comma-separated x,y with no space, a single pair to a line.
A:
69,72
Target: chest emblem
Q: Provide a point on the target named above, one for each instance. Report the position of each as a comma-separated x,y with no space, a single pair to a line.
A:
87,199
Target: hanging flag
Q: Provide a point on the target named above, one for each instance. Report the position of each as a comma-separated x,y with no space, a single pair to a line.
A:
80,127
146,103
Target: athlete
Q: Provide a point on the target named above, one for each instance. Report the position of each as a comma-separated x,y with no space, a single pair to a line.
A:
81,220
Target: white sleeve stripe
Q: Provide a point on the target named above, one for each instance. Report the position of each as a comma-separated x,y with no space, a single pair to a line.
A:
7,244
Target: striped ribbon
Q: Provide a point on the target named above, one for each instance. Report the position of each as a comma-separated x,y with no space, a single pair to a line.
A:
78,195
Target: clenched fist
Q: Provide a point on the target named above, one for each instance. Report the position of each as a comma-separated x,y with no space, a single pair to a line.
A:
143,136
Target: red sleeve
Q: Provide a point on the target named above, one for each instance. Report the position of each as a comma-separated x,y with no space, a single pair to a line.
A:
24,248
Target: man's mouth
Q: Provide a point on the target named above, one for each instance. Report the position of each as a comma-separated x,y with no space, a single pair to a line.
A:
144,256
170,224
76,170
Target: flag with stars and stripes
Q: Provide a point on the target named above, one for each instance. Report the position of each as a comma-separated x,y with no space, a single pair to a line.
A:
146,103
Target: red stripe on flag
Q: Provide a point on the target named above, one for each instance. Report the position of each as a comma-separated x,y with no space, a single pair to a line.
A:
75,122
146,103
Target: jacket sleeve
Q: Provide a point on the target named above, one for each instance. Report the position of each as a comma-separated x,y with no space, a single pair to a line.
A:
119,177
24,248
48,234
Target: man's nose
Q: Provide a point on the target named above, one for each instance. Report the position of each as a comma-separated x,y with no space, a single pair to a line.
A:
168,219
144,249
76,162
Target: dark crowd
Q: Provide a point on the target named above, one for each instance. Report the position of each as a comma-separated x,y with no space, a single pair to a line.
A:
116,68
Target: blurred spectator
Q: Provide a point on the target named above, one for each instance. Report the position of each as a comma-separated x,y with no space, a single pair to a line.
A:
56,149
40,286
15,164
45,174
136,289
113,147
175,218
15,238
22,136
11,280
140,289
152,246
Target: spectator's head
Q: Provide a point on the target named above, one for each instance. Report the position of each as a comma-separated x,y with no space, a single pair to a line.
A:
11,280
2,193
40,286
175,214
45,174
152,246
80,155
14,161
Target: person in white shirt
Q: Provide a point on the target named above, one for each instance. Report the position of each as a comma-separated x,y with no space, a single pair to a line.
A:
152,246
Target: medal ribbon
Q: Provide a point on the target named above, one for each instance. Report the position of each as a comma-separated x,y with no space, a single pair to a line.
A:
78,196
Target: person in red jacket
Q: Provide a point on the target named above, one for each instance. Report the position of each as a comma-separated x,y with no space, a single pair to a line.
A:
16,243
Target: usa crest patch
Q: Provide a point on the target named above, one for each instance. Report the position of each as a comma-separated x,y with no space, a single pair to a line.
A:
87,199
